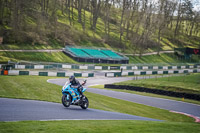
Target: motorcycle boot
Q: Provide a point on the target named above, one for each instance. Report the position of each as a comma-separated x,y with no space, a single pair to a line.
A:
76,101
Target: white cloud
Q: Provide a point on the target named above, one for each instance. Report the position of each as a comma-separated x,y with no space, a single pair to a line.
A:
196,5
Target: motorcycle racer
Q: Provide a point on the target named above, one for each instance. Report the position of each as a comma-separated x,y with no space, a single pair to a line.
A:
75,82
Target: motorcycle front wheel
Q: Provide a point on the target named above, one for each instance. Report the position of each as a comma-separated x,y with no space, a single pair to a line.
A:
85,103
66,100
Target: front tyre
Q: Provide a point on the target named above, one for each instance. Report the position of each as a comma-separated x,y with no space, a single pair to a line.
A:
66,100
85,103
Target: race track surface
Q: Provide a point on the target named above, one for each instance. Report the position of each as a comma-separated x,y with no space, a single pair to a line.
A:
170,105
21,110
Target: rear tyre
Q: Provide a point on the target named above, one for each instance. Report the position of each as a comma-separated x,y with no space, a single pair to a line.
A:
66,100
85,103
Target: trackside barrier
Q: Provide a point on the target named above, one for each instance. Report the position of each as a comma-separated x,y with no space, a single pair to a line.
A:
36,73
155,91
5,72
118,74
86,67
1,72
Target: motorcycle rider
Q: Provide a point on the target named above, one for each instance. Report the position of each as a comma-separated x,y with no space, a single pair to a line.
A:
75,82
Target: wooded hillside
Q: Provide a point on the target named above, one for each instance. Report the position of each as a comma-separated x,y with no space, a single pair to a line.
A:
129,25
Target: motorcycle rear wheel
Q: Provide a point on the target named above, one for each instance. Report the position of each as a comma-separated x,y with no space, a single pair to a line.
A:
66,102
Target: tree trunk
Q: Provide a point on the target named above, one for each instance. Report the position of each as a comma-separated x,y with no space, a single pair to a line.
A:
62,8
1,11
68,10
79,11
191,30
106,19
121,22
72,9
55,18
16,16
47,6
177,21
96,10
83,23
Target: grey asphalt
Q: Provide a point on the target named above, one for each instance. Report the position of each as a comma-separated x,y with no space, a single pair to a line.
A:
166,104
22,110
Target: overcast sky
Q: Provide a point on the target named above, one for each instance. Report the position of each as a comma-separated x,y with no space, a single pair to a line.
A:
196,4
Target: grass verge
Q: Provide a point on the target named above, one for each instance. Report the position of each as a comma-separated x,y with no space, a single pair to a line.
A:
187,83
36,56
25,46
99,126
165,59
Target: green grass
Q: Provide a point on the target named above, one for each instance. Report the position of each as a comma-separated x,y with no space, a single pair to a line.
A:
99,126
36,56
37,88
187,83
53,44
162,58
29,87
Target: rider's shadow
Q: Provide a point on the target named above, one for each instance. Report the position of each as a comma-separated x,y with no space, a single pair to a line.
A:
76,108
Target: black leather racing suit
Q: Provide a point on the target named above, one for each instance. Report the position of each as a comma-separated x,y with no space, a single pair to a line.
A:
79,86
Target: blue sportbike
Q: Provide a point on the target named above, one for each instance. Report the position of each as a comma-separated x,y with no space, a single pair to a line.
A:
71,96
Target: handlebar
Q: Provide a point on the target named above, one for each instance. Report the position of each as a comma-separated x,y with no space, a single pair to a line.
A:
84,82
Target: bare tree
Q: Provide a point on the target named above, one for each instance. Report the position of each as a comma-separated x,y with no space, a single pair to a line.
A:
163,18
2,5
80,2
106,12
121,21
178,20
96,6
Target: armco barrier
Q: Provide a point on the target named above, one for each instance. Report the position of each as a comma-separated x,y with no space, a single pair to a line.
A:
90,74
43,73
155,91
23,72
118,74
93,67
78,74
36,73
60,74
2,72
